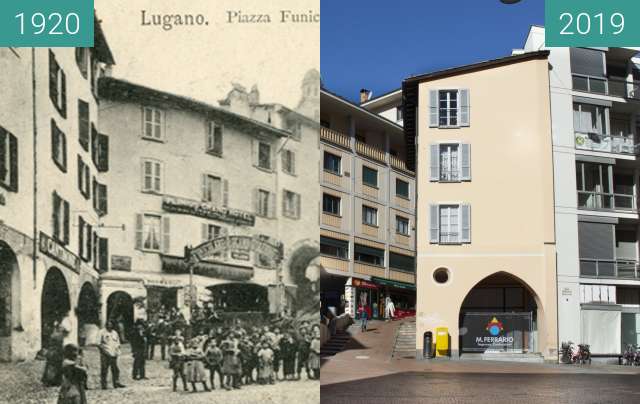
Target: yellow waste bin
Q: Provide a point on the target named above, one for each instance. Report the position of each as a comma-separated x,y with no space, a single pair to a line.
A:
442,341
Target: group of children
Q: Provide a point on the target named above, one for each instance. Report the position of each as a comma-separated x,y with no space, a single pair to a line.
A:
242,356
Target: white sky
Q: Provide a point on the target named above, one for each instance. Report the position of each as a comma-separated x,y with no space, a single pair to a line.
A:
202,61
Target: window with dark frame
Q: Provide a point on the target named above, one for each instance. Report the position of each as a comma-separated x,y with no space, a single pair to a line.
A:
332,163
153,121
82,60
402,188
331,204
214,138
334,248
58,147
264,155
8,160
368,255
288,162
448,105
369,215
402,225
60,219
84,124
57,85
84,178
369,176
401,262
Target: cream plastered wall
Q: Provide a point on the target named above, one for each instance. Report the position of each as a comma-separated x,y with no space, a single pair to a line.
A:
510,193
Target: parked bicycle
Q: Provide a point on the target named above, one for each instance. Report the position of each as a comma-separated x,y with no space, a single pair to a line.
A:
631,355
572,353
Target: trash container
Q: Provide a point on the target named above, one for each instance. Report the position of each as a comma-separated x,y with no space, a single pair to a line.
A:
442,341
427,345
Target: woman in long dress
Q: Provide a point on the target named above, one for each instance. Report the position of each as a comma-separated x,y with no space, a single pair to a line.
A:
195,370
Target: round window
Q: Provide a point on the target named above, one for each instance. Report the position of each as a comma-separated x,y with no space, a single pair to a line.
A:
441,275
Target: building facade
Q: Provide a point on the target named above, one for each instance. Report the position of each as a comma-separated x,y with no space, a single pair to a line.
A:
53,194
486,267
595,104
239,177
368,200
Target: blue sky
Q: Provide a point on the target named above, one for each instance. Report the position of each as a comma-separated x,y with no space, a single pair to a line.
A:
375,44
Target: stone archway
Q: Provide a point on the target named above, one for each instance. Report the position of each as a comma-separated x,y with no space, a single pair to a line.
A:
88,312
55,303
501,313
120,311
304,272
9,299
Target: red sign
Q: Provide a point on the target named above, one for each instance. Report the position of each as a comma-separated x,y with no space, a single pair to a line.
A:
359,283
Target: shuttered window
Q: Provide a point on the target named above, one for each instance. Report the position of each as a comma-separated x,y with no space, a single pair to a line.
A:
450,162
84,178
289,162
264,156
404,263
153,233
151,176
449,108
212,189
57,85
264,203
102,163
450,224
58,147
596,248
368,255
214,138
82,60
290,204
85,239
100,198
84,124
152,123
8,160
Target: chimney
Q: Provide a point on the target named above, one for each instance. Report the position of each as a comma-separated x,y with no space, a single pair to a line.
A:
365,95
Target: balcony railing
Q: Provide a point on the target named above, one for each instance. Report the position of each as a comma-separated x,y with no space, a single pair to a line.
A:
449,238
370,151
334,137
605,201
607,86
449,175
618,269
607,143
398,164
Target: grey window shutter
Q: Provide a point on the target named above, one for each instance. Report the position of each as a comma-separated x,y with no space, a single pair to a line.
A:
66,222
435,162
272,205
57,232
465,162
256,201
81,232
203,185
293,162
434,223
13,162
255,145
139,234
3,150
433,109
166,235
225,193
465,107
465,223
205,232
298,205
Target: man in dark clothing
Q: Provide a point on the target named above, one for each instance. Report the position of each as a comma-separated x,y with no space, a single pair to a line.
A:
139,350
151,333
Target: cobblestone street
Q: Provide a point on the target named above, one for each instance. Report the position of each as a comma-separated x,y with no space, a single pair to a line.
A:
21,384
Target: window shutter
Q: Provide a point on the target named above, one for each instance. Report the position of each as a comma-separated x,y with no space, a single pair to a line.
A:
464,107
13,162
53,79
89,241
256,201
205,232
225,193
95,250
218,138
298,205
293,162
166,239
203,186
63,140
103,202
103,153
435,162
433,109
284,204
434,224
81,232
272,205
3,152
465,162
255,145
103,249
95,201
465,223
56,219
55,141
80,174
66,222
139,231
63,106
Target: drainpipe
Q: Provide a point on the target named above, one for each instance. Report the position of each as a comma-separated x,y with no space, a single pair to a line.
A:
35,165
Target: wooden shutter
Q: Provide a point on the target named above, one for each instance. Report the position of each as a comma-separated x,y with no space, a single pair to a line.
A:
434,117
465,223
434,224
465,162
166,235
95,201
292,162
464,107
66,222
298,205
103,249
83,123
80,174
57,231
272,205
95,250
103,203
204,187
13,162
3,152
225,193
103,153
63,140
53,79
63,86
255,154
139,231
89,241
435,162
81,232
205,232
256,201
94,144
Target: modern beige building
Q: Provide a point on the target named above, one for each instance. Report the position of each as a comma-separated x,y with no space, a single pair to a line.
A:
368,203
486,266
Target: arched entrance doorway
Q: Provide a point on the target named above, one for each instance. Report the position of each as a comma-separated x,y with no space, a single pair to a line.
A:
55,303
9,298
88,312
500,314
245,302
120,310
304,272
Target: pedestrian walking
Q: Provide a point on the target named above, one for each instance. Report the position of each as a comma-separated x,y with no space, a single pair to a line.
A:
139,350
74,378
364,315
109,352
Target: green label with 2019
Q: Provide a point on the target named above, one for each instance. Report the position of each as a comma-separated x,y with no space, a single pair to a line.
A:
592,23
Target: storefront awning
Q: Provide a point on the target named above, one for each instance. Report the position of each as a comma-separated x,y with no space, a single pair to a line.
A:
177,265
393,284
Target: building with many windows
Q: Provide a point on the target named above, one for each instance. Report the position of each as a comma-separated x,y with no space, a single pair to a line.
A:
241,177
595,106
53,195
368,200
485,221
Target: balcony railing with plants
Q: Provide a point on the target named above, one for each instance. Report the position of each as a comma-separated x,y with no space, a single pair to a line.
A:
334,137
616,269
607,143
606,201
607,86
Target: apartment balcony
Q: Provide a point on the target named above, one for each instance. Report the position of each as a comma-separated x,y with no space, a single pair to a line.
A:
334,137
399,164
609,202
614,87
610,269
371,152
607,143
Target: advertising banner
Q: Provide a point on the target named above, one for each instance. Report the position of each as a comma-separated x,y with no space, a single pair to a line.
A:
498,332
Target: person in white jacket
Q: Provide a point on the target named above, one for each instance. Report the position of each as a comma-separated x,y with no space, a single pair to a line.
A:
389,308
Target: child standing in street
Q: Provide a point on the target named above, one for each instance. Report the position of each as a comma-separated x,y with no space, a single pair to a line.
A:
213,360
194,365
265,364
176,363
314,354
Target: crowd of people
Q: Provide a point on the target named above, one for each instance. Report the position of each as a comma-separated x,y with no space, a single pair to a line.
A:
203,352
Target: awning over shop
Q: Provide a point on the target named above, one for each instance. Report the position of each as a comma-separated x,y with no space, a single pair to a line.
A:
393,284
177,265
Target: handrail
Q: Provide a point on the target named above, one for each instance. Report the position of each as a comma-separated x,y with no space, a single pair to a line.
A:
606,143
334,137
370,151
621,268
606,201
610,86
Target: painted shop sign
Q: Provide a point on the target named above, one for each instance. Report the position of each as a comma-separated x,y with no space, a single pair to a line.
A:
55,250
360,283
504,332
271,249
177,265
120,263
184,206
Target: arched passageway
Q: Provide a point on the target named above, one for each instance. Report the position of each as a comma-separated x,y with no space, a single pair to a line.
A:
55,303
500,314
88,311
120,311
9,299
304,272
